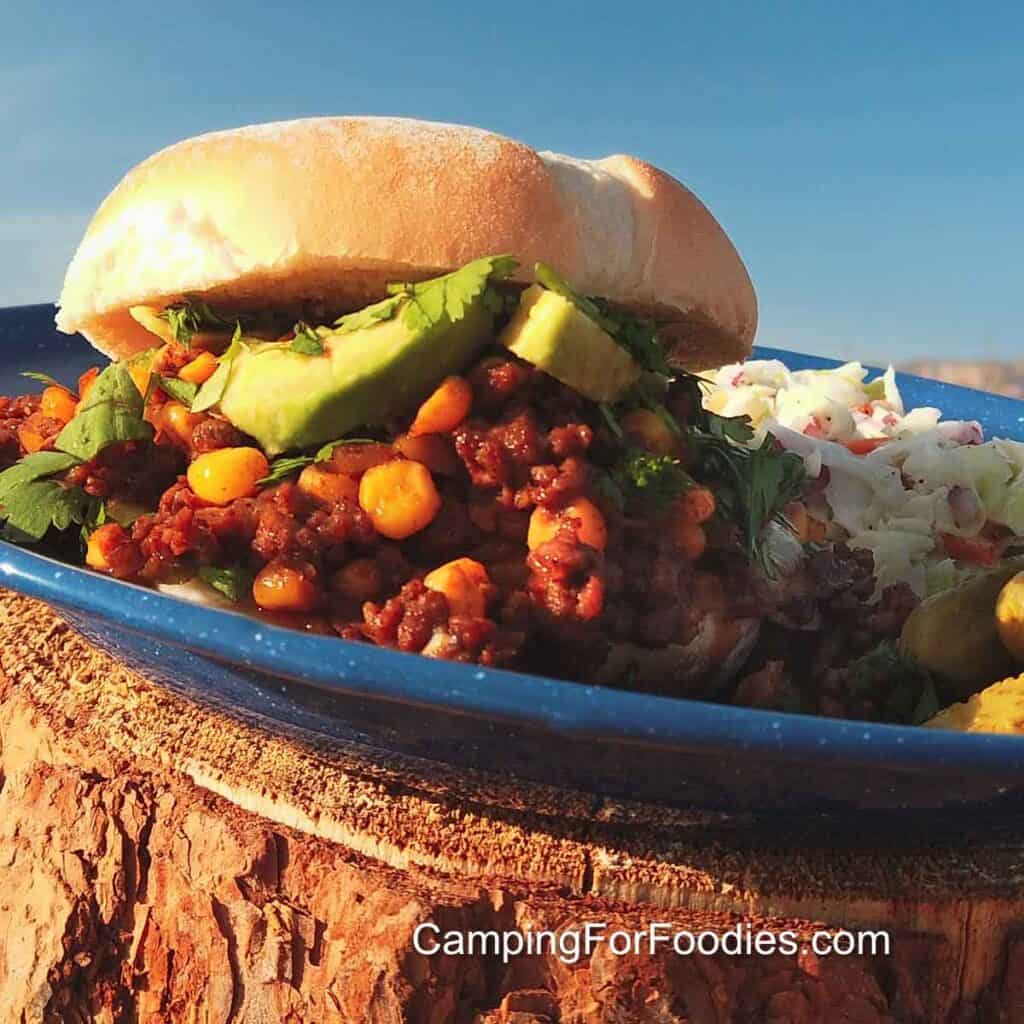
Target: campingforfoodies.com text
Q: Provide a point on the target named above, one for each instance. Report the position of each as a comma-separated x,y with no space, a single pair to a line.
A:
573,945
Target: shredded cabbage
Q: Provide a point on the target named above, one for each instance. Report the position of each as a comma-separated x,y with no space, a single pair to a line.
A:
898,479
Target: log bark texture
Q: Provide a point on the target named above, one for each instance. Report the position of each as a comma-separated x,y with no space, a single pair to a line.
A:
164,862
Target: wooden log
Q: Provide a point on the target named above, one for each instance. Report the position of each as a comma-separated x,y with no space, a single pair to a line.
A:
162,861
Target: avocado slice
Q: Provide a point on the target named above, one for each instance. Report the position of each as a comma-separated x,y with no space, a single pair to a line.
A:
552,333
288,400
375,364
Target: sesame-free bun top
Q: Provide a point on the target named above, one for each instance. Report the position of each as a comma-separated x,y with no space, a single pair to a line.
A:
330,209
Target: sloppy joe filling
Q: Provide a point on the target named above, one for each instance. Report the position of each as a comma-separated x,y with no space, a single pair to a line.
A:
502,518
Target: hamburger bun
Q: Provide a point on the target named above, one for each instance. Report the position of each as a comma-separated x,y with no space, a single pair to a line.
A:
330,209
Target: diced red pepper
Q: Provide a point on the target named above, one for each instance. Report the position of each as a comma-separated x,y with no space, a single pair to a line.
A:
864,445
978,550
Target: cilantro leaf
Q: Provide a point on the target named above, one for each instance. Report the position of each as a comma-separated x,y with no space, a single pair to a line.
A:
306,341
756,483
111,412
735,428
113,510
43,378
639,338
146,360
904,690
30,502
182,390
425,304
234,582
123,511
383,310
189,317
776,479
213,390
288,465
34,467
284,467
94,518
652,481
31,509
324,453
752,485
500,303
431,302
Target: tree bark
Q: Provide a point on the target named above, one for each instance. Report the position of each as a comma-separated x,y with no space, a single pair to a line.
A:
162,862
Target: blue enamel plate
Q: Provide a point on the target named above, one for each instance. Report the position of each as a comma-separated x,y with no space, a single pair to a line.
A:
603,741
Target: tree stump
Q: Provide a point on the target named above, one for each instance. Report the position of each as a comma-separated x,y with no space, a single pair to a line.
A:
162,861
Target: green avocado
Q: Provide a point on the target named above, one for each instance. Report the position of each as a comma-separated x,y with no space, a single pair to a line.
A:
289,400
553,334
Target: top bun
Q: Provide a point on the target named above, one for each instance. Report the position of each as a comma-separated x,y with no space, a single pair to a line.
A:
330,209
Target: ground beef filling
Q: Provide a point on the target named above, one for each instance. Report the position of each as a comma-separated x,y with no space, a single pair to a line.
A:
13,413
133,472
528,444
816,675
214,433
20,417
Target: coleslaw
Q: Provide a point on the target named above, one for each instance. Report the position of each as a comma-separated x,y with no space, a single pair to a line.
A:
930,498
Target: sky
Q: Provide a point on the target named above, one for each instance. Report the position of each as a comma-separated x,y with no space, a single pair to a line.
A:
865,157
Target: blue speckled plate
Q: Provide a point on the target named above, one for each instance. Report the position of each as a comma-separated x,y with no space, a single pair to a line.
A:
600,740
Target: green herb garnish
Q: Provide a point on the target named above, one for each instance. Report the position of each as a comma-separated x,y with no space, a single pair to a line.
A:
638,337
189,317
755,484
44,378
735,428
288,465
752,485
213,390
110,413
285,466
327,450
235,583
31,502
182,390
425,304
95,517
32,508
122,511
370,315
904,689
306,341
650,481
34,467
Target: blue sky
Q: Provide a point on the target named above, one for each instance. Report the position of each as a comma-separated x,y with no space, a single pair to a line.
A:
865,157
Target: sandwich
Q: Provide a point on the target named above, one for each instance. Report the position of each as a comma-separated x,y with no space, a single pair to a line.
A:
418,385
